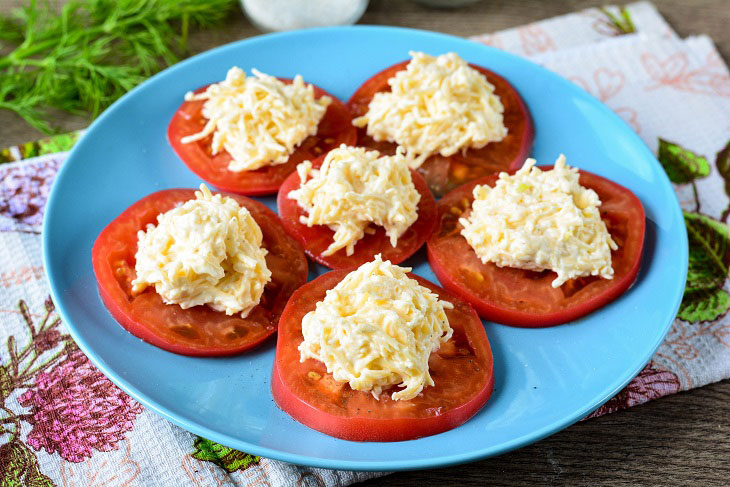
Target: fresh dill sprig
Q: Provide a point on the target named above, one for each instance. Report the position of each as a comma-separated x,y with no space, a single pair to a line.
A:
81,57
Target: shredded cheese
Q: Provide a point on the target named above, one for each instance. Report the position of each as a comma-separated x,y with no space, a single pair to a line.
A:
437,105
354,188
377,328
205,251
258,120
540,220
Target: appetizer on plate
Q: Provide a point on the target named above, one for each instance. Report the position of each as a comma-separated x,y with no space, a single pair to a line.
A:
540,246
197,273
456,121
352,204
378,354
246,134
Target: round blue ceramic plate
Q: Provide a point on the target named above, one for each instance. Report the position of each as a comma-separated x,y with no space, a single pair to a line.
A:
546,379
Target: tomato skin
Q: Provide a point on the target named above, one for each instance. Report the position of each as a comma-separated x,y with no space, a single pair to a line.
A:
524,298
200,330
446,173
334,129
317,238
463,364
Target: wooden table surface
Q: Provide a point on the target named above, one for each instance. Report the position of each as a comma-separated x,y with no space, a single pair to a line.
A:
678,440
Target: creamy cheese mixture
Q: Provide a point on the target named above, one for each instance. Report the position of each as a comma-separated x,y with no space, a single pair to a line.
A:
205,251
258,120
437,105
354,188
540,220
377,328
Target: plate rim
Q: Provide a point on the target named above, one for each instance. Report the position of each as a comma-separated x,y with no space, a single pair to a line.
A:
317,462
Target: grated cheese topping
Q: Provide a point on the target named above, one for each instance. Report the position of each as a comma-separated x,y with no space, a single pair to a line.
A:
540,220
377,328
353,189
258,120
205,251
437,105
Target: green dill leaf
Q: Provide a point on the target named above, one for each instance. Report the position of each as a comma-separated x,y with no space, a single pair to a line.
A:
82,56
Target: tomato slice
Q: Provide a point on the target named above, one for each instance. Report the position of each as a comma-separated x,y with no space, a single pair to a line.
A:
200,330
316,239
526,298
445,173
334,129
462,370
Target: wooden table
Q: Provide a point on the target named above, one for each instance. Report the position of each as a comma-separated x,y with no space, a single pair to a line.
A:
681,439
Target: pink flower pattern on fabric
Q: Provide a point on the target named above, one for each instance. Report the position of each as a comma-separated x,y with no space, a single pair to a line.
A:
651,383
674,71
606,85
535,40
75,410
23,194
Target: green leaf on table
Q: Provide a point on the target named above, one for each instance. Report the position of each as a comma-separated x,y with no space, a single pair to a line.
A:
681,165
709,252
226,458
57,143
704,305
19,466
722,161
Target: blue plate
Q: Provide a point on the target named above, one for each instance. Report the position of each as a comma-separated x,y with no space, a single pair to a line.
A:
546,379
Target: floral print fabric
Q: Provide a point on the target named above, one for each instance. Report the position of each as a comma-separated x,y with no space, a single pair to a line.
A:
63,423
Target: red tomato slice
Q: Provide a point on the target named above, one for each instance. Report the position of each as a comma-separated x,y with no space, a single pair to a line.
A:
462,370
334,129
316,239
445,173
200,330
526,298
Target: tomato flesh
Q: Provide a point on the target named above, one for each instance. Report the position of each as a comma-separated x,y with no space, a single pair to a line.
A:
462,370
200,330
317,238
445,173
526,298
334,129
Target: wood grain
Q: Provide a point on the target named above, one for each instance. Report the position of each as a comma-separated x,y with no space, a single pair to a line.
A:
678,440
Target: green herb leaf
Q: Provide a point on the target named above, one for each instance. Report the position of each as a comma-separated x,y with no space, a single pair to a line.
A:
227,458
94,51
681,165
709,253
704,305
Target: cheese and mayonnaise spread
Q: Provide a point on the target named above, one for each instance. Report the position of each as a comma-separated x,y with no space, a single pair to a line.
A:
377,328
353,188
540,220
437,105
205,251
258,119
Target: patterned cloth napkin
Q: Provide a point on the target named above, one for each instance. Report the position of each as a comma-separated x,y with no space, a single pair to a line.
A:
63,423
